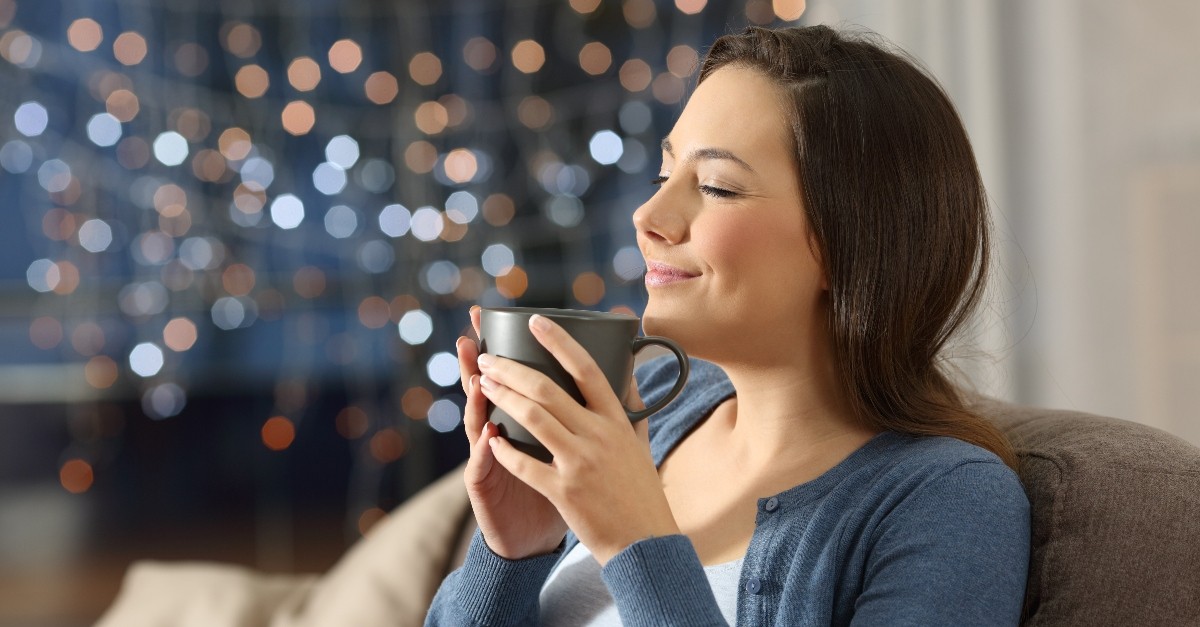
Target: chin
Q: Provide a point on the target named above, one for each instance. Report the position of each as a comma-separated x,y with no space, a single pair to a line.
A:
684,330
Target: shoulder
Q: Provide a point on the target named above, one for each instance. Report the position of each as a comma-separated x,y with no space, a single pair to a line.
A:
919,467
947,486
948,539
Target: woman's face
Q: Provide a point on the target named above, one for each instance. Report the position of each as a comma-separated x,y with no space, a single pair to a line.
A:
730,268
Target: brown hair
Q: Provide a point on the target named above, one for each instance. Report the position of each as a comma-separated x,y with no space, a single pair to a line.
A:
899,217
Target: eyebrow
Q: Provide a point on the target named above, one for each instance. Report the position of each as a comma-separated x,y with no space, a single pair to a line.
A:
708,153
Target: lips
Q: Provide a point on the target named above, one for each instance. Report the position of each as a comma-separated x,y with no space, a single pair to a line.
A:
659,274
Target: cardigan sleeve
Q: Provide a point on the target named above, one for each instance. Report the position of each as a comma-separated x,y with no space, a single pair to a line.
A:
955,552
660,581
491,590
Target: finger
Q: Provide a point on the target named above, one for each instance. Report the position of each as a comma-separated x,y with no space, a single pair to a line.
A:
475,412
481,460
531,472
597,393
475,319
468,352
533,385
540,423
633,399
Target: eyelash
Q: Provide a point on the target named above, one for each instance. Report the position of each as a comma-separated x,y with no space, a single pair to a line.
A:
709,190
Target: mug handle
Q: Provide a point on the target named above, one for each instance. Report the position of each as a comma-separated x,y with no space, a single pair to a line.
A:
641,342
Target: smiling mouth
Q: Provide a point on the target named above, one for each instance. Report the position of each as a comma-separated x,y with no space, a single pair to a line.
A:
660,274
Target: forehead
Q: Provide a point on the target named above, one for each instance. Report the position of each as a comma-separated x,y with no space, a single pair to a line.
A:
738,109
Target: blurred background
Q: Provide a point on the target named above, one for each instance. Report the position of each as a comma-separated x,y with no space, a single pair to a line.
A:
238,239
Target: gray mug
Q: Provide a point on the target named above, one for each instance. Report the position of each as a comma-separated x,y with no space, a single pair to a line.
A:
610,338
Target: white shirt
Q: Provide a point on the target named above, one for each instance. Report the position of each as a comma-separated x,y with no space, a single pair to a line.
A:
574,595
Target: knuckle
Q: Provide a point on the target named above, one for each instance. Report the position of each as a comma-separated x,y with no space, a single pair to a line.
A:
543,388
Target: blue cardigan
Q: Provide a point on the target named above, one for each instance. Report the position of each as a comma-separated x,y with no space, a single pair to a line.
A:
904,531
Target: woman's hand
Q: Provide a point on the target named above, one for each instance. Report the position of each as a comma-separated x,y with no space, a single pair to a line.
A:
602,480
516,521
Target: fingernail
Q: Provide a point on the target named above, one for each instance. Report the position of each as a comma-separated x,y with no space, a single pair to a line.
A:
539,322
485,427
475,308
486,360
486,382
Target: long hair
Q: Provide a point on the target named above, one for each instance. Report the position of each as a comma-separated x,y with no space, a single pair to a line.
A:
899,217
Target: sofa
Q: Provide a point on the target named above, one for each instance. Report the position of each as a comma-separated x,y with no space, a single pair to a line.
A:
1115,541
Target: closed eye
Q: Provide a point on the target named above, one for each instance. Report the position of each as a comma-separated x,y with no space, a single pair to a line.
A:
717,192
708,190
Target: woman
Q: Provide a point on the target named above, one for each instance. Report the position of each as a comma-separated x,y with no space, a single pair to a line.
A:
819,233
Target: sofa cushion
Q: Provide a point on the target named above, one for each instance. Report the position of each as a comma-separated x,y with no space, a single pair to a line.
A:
1116,518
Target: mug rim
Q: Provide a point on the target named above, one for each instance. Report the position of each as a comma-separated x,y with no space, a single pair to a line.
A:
577,314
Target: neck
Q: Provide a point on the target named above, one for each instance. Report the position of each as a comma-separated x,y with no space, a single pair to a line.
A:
789,406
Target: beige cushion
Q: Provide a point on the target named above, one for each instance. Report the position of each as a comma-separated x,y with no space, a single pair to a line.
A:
387,579
1116,519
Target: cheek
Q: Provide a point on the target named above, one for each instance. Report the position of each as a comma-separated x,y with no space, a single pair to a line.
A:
756,249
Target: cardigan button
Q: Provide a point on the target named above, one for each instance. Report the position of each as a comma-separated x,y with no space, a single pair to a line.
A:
753,585
772,504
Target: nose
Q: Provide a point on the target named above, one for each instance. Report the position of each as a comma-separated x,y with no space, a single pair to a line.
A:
659,219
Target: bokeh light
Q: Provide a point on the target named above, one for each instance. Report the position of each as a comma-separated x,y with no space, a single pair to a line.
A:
352,422
164,401
442,369
129,48
381,88
170,148
298,117
444,416
690,7
415,327
480,54
595,58
639,13
342,151
45,332
387,445
498,260
425,68
635,75
788,10
179,334
31,118
104,129
242,40
146,359
85,34
76,476
304,74
588,288
345,56
95,235
287,211
252,81
278,433
585,6
394,220
101,372
528,56
341,221
431,117
606,147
